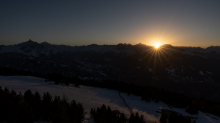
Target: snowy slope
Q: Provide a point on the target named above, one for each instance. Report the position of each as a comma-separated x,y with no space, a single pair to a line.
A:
92,97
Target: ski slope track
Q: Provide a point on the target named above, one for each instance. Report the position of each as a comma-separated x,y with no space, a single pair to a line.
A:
92,97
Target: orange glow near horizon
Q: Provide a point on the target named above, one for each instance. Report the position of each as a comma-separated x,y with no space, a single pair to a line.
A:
157,44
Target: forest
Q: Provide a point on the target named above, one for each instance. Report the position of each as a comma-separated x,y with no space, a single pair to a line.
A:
30,107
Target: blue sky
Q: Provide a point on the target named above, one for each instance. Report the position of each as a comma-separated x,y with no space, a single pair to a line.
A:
83,22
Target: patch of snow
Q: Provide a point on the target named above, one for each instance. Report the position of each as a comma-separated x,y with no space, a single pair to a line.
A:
210,73
101,72
201,72
83,78
170,70
107,59
64,65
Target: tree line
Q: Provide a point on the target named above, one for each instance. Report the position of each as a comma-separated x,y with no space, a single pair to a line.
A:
106,115
30,107
170,116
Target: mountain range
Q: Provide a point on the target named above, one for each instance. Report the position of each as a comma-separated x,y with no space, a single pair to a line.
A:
191,70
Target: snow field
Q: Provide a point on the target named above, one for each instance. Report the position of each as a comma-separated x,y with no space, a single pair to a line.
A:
92,97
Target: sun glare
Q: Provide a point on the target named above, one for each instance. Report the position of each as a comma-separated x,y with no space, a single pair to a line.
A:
156,45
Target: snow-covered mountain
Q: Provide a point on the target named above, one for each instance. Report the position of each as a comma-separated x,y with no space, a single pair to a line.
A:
169,67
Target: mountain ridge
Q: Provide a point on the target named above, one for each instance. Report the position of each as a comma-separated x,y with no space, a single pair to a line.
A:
168,67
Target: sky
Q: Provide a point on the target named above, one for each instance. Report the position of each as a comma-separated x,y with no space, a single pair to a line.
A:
84,22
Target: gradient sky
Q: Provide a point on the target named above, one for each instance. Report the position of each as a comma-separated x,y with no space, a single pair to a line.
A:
83,22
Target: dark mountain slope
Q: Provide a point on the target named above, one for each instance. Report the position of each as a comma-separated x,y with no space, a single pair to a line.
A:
168,67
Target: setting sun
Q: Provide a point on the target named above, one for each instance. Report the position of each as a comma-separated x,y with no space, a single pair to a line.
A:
156,45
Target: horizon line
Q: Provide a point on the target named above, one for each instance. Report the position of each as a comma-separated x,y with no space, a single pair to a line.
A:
115,44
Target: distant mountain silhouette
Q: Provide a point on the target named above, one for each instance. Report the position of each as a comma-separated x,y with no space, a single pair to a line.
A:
183,69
